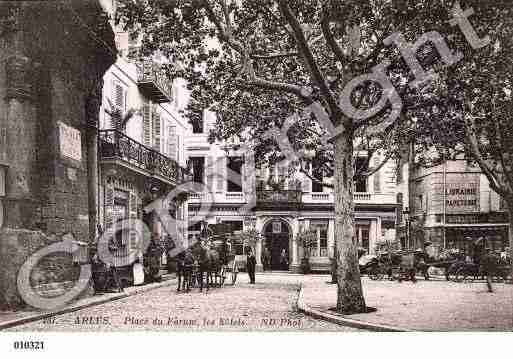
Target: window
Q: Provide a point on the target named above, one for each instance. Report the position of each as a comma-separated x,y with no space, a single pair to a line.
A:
172,143
234,177
198,169
117,105
317,186
236,226
360,182
120,212
320,248
198,125
362,234
399,178
377,177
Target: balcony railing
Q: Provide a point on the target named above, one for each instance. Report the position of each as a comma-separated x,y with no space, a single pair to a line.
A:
153,82
278,198
114,144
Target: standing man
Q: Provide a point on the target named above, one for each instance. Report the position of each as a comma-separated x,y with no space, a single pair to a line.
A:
251,264
488,266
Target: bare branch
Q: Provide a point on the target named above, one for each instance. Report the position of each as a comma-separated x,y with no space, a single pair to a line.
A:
469,129
307,55
313,179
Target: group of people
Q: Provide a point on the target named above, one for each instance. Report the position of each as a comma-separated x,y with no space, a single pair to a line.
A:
267,259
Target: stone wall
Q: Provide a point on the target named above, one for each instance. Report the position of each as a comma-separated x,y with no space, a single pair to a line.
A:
52,58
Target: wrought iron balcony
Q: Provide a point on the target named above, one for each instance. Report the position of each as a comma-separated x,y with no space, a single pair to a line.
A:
114,144
153,82
276,199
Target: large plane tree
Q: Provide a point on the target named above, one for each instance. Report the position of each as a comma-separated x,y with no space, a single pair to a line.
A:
260,63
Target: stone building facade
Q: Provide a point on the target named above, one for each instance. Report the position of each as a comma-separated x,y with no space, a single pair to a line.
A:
451,206
280,213
141,148
50,84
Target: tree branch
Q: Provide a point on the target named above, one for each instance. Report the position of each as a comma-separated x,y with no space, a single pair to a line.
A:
309,59
469,129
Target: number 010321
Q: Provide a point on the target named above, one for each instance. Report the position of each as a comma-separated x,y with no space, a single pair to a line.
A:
28,345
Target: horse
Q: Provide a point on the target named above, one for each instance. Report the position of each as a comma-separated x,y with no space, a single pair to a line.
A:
185,262
209,263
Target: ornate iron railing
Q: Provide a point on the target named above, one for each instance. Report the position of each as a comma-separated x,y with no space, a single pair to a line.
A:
279,196
149,72
115,144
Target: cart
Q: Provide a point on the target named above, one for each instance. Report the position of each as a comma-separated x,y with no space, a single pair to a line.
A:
229,269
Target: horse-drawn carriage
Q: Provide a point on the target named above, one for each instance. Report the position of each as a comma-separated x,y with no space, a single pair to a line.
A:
210,261
400,265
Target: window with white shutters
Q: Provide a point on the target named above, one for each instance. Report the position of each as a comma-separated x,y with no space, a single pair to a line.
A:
119,100
156,129
172,146
377,178
146,111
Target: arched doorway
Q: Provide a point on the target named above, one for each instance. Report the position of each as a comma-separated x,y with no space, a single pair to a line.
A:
277,235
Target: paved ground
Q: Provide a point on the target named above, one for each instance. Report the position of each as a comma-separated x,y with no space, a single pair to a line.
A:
268,305
427,305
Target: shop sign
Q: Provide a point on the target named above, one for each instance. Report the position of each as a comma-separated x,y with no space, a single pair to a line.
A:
70,142
276,227
461,193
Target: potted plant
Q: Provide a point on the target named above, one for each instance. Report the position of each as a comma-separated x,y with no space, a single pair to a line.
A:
307,239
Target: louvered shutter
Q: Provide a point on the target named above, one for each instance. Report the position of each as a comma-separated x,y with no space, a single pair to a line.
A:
146,124
119,105
377,178
172,149
210,173
220,170
109,206
156,130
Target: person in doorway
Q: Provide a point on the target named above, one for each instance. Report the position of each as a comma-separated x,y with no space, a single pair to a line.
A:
265,258
284,259
251,264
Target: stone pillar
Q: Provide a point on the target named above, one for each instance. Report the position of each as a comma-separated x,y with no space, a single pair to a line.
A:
331,238
93,104
259,228
47,60
258,253
295,266
20,126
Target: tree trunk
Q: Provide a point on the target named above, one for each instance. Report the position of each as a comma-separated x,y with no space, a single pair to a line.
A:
349,294
509,204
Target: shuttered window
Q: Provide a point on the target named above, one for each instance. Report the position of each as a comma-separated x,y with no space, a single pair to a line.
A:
118,103
377,178
156,129
210,173
220,170
172,145
146,124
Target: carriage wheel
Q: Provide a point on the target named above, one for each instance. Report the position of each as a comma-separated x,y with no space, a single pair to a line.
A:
462,275
235,270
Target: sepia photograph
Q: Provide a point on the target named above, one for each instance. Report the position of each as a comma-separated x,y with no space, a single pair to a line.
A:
331,167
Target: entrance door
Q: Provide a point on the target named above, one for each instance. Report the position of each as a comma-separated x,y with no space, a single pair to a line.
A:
277,242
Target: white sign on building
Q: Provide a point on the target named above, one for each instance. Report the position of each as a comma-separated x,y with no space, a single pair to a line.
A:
70,142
